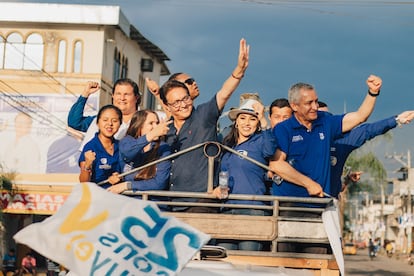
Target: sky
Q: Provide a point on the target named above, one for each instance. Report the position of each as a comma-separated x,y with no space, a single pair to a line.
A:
334,45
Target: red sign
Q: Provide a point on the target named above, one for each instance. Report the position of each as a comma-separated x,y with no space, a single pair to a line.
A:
41,203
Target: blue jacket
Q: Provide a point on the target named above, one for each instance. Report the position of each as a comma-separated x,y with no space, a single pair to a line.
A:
342,148
76,120
133,156
244,176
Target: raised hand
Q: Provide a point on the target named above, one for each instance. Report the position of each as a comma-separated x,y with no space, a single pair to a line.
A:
159,130
374,84
90,88
406,117
90,156
153,87
243,60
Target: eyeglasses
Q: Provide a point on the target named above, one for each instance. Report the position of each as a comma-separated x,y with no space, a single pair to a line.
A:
189,81
177,103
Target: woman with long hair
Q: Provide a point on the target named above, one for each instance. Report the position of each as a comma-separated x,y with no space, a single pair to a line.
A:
141,145
244,177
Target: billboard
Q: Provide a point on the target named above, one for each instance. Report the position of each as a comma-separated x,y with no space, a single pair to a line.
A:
34,137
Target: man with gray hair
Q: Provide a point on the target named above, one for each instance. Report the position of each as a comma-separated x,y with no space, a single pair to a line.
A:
303,154
302,158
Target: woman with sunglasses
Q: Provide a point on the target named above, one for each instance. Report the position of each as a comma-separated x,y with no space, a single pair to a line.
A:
143,144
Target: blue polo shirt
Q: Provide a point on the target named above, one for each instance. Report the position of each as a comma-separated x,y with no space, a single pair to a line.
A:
132,155
189,171
342,148
307,151
104,164
244,176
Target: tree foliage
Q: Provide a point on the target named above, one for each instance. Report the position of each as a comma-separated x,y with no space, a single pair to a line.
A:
6,179
364,159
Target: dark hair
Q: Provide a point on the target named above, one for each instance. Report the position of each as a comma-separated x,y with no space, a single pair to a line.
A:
175,75
280,103
231,139
170,85
134,130
109,106
134,85
322,104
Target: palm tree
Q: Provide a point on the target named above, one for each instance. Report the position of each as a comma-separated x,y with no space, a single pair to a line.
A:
364,159
6,184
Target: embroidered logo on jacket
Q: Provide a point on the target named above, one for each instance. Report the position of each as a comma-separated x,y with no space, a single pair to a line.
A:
104,164
297,138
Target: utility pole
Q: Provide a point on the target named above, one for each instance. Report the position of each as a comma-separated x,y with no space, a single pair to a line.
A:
410,187
410,180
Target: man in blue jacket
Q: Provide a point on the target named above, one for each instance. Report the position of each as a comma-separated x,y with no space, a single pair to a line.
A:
125,96
343,147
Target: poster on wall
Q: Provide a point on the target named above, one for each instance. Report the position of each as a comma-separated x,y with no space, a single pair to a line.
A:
34,135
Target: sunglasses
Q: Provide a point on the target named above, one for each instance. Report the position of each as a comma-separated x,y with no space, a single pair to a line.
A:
189,81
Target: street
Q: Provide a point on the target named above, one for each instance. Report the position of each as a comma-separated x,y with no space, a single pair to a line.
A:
381,265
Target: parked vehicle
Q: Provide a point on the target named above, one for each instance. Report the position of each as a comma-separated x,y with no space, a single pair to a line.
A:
350,248
389,249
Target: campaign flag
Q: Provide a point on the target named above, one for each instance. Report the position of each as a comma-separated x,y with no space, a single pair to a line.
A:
330,219
96,232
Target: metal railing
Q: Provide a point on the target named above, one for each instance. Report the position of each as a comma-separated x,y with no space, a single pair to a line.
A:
219,148
273,204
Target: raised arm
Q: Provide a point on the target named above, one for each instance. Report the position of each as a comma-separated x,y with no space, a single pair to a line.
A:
230,85
76,120
154,88
282,168
353,119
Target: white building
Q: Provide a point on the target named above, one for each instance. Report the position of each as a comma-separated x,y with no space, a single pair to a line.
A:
47,54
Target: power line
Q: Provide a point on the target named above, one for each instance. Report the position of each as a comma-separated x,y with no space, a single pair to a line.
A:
34,104
12,101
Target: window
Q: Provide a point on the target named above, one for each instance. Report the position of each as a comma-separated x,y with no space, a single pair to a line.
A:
77,57
61,65
124,71
14,52
117,64
2,46
33,53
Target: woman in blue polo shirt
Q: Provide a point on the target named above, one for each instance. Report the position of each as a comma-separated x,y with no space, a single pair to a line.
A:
245,177
99,159
143,144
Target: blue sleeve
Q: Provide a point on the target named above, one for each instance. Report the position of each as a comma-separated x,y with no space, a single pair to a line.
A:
76,119
130,147
360,134
281,134
160,181
269,143
335,124
210,112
